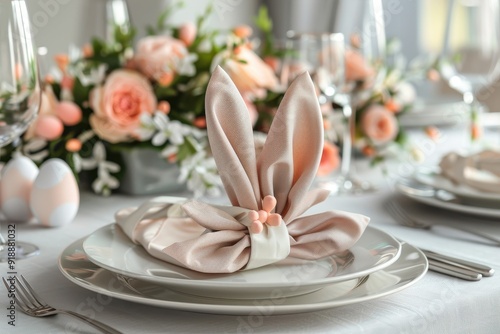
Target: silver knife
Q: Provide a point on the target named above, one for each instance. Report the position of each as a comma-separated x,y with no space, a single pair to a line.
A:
452,270
461,263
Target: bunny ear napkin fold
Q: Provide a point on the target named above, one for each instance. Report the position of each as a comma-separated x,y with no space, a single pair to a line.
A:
269,193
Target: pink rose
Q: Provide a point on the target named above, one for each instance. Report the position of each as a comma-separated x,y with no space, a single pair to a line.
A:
379,124
118,105
158,56
187,33
253,75
356,67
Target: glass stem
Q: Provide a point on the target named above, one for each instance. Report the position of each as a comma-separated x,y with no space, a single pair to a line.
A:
348,135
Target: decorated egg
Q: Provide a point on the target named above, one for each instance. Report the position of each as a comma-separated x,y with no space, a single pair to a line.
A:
18,176
55,197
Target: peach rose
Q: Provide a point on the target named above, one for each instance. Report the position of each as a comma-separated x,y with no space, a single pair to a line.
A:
119,104
330,159
379,124
356,67
253,75
158,56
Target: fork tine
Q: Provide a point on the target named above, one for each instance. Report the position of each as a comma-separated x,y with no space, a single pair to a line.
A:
20,303
23,294
35,300
400,213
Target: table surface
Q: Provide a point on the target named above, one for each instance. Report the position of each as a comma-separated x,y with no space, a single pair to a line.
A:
436,304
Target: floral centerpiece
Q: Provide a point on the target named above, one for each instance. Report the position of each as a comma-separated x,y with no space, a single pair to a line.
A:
110,97
381,93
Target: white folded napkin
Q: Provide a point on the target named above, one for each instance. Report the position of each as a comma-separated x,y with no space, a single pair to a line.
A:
480,171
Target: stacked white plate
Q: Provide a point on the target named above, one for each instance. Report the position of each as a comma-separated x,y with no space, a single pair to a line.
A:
107,262
430,187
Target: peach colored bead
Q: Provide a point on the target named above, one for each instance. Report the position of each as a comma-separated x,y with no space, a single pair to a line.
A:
187,33
368,151
164,107
87,51
200,122
68,112
166,79
49,127
432,132
274,219
256,227
73,145
62,61
268,203
243,31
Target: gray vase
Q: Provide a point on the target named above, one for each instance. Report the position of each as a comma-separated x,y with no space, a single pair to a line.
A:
147,173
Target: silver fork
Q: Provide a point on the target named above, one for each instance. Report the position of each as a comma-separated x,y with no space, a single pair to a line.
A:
31,304
405,219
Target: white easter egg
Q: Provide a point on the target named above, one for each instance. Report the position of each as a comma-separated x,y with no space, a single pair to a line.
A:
55,197
17,180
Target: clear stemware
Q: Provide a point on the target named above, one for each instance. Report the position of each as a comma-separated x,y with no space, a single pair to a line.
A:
372,44
470,58
19,92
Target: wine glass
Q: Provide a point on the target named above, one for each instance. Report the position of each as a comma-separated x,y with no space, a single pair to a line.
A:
323,55
20,93
372,47
117,15
470,58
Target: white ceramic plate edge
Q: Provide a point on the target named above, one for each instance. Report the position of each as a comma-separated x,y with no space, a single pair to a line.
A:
238,309
173,282
435,202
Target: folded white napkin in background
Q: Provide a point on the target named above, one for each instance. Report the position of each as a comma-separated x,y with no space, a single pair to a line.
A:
480,170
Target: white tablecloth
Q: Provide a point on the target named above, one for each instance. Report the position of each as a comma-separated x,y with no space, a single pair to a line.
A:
436,304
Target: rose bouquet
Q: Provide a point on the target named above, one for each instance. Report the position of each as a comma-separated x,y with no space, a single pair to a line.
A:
109,97
381,93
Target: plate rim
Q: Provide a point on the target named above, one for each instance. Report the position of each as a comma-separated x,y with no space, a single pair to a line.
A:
168,281
457,207
470,193
218,308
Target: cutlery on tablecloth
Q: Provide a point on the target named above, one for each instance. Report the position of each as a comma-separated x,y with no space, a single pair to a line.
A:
403,218
453,270
459,263
456,267
31,304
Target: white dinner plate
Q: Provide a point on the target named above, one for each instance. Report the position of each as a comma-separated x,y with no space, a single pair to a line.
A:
111,249
434,179
404,272
445,200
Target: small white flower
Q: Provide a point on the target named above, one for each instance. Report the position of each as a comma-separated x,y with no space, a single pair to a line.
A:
200,174
173,131
185,65
405,93
147,127
104,182
95,77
